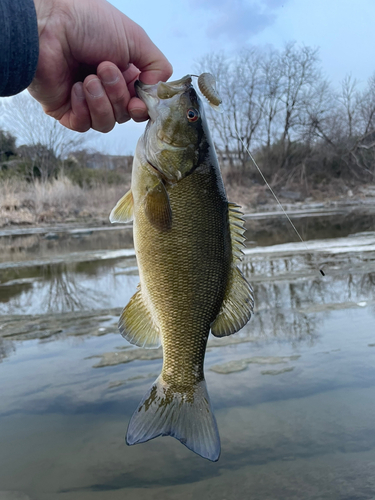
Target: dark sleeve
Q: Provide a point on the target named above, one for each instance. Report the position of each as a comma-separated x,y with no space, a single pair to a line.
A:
19,45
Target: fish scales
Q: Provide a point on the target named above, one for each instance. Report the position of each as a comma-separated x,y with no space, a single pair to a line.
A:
188,240
185,270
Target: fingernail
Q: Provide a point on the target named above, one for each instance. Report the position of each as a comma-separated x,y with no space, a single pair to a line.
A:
78,90
109,75
95,88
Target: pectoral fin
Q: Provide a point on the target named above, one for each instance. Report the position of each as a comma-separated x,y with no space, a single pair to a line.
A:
137,325
158,208
123,211
238,302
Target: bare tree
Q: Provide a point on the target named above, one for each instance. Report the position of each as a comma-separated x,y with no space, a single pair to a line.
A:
265,93
300,75
345,126
239,85
271,90
24,117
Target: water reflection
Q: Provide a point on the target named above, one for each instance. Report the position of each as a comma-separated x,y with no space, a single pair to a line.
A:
65,287
292,299
293,391
6,348
65,291
59,241
23,244
270,230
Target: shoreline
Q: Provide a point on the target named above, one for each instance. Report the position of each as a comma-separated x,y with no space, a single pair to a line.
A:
256,203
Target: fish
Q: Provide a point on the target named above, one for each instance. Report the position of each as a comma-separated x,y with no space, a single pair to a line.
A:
188,241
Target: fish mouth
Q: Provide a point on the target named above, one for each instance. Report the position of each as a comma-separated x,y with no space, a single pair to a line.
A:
138,89
145,93
161,90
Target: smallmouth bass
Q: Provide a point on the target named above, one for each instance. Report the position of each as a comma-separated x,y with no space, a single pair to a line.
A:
188,241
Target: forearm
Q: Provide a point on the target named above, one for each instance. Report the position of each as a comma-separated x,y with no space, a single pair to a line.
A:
19,45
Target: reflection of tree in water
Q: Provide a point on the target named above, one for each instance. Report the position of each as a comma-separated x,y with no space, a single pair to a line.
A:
66,291
277,314
368,282
290,303
64,287
6,348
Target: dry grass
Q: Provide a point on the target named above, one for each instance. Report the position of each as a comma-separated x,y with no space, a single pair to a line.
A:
63,201
56,201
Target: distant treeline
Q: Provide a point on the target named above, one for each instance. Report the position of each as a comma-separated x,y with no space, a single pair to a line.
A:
301,131
50,150
82,167
299,128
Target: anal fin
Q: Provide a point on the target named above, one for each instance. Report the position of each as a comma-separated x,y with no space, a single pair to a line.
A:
136,324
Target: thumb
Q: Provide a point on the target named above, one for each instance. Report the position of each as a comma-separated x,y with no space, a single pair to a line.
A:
143,53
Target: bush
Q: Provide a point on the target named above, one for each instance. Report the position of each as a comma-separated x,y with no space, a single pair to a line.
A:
7,145
89,178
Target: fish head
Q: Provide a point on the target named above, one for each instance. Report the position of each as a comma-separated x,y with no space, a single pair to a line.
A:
175,133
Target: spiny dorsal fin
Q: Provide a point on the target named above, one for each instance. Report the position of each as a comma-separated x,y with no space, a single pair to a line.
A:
238,302
158,208
123,211
136,323
237,230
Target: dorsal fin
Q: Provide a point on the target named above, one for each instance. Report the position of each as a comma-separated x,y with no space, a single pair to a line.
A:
238,302
237,230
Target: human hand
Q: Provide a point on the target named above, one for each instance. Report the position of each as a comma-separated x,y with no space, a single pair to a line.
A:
90,55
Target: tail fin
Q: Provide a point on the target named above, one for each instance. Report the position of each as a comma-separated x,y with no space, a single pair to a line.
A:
186,416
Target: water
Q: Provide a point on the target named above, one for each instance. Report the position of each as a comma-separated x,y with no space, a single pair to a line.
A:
293,392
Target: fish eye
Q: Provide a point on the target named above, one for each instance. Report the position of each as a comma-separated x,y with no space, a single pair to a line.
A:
192,115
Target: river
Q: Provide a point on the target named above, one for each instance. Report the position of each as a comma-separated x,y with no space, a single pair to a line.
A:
293,391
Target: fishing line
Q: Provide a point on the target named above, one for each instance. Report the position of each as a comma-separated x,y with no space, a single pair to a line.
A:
276,198
207,85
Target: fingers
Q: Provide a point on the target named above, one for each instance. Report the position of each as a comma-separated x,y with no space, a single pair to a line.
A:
104,99
78,117
116,89
100,107
137,109
99,102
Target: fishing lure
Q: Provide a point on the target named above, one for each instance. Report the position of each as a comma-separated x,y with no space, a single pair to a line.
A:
207,85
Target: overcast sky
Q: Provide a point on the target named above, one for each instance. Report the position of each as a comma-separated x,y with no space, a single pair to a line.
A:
186,30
